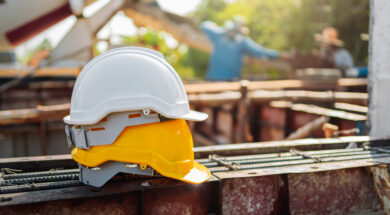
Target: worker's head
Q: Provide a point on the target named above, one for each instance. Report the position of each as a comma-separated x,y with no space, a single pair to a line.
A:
329,38
236,26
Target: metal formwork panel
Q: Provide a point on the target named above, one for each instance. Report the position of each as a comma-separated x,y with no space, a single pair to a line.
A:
343,191
253,195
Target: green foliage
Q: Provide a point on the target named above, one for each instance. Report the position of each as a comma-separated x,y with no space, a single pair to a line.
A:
180,59
351,18
197,60
209,10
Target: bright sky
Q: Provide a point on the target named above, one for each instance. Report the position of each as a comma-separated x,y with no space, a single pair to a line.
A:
119,24
182,7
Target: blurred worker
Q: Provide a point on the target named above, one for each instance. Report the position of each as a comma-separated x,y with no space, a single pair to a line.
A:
230,44
331,50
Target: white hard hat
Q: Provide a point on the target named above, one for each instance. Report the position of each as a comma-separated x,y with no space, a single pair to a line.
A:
130,78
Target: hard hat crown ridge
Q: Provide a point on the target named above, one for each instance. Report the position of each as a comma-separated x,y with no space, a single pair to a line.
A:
129,78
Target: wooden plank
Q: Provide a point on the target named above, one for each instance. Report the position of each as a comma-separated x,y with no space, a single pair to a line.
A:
19,116
212,87
41,72
313,109
351,107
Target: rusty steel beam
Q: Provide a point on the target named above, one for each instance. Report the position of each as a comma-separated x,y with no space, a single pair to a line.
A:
319,188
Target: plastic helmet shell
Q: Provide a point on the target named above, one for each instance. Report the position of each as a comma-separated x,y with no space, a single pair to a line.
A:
130,78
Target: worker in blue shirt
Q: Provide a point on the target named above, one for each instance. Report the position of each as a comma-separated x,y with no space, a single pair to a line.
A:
229,47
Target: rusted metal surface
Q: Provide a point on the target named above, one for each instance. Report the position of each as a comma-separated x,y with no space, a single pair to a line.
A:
158,196
381,181
118,204
190,199
327,192
332,192
254,195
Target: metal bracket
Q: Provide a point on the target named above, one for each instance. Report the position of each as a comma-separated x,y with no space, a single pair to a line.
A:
98,176
80,135
69,136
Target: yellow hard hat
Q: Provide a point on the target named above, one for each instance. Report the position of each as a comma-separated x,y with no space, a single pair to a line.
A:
165,146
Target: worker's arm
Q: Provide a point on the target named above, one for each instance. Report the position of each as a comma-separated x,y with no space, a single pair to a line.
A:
252,48
212,31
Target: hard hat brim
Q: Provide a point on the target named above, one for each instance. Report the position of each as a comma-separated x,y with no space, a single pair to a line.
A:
195,116
197,175
192,116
